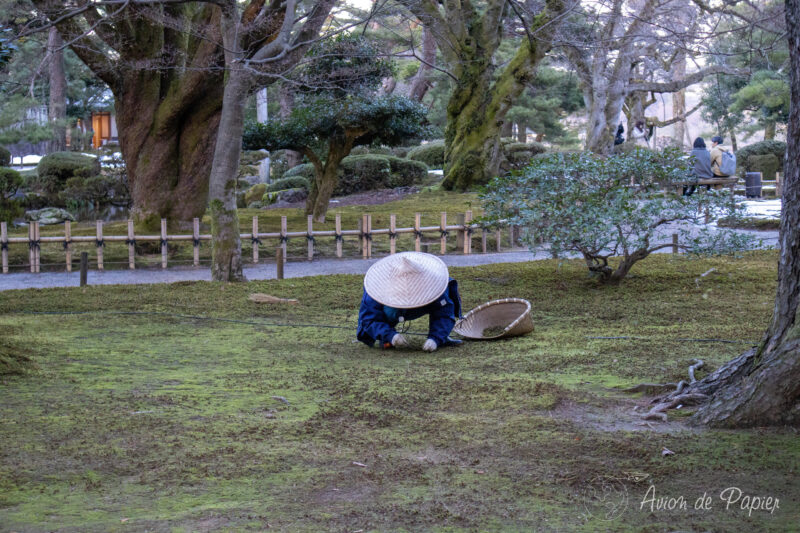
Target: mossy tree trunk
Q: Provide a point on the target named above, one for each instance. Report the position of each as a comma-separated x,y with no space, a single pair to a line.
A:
761,387
167,105
226,252
468,37
57,109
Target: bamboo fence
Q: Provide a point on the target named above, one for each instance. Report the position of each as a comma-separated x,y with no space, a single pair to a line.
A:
464,229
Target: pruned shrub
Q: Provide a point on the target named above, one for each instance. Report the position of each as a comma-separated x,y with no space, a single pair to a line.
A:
55,169
5,157
743,156
255,193
518,155
305,170
432,154
767,164
10,182
252,157
292,182
406,172
359,173
401,151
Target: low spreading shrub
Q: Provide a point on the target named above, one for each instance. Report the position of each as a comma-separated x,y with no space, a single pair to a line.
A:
55,169
10,182
406,172
359,173
767,164
305,170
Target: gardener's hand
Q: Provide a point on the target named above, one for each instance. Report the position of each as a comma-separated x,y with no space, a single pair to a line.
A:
429,346
398,341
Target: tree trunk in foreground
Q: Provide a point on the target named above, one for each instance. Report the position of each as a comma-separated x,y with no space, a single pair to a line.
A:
57,110
762,387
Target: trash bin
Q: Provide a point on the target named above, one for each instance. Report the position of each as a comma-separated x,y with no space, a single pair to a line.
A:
752,184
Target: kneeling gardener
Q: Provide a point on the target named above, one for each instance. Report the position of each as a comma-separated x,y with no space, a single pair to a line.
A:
403,287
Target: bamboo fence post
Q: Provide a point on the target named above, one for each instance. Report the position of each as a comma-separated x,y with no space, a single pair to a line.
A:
362,230
284,238
467,232
100,243
255,240
484,233
674,243
68,244
131,246
443,233
163,243
279,261
369,236
338,235
460,233
392,234
84,268
498,236
310,237
37,248
196,241
4,245
417,232
31,261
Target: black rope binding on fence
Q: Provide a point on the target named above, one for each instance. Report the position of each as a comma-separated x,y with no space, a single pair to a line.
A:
444,233
367,236
163,242
392,235
339,238
33,245
66,244
130,242
469,232
284,239
196,242
255,240
310,238
100,243
418,234
3,246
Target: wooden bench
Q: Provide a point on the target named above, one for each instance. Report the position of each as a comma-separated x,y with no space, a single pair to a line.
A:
714,183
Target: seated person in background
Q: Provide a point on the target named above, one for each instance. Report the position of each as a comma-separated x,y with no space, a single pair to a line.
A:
702,166
716,156
404,287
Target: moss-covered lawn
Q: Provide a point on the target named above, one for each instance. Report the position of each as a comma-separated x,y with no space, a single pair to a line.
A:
158,422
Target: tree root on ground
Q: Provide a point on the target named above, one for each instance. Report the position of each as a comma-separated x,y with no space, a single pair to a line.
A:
676,398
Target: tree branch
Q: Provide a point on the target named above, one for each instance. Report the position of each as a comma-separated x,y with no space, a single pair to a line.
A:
691,79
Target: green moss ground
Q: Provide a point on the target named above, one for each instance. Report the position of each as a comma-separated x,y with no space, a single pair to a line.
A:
156,422
430,203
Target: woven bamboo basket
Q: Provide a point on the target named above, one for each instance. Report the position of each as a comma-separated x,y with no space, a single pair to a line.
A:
513,315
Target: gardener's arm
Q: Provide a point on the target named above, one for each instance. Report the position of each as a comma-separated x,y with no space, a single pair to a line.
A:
442,320
373,324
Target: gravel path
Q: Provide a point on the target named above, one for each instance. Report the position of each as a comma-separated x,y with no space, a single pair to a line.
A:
292,270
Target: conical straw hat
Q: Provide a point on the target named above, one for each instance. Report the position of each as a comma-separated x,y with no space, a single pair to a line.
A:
407,280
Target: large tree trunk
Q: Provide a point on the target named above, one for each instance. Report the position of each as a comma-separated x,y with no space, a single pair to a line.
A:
57,110
168,153
604,116
522,132
761,387
472,134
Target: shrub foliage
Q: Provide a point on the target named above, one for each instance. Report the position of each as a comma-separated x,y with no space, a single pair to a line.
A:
603,208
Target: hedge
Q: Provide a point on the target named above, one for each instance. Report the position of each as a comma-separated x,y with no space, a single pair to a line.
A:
358,173
305,170
406,172
767,164
776,148
292,182
432,154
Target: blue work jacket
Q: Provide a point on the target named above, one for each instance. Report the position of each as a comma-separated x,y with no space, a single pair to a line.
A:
377,322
